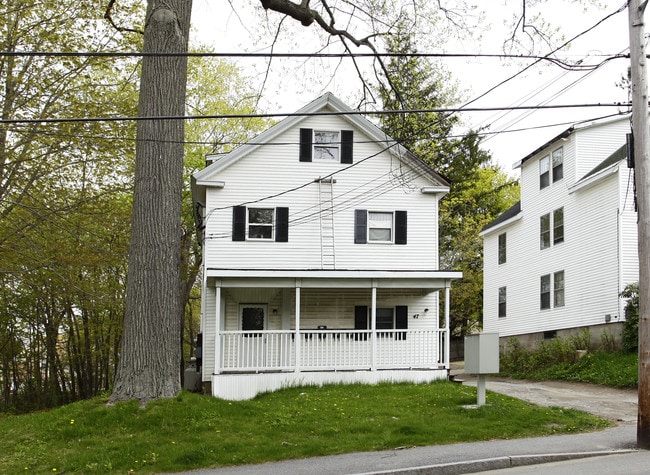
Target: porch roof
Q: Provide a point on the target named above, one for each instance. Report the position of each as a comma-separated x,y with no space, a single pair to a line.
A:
317,278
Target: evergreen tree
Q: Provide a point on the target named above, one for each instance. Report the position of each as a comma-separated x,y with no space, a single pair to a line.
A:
479,190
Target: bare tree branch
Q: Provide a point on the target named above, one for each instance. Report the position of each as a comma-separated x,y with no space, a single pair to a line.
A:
108,16
307,16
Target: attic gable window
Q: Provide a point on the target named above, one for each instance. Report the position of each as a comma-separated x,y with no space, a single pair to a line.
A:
330,145
326,145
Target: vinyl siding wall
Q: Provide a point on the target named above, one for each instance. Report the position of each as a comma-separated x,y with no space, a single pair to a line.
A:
629,250
380,183
589,255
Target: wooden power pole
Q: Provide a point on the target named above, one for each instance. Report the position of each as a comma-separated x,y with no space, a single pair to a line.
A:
636,10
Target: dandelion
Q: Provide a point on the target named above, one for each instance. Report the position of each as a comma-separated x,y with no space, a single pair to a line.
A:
71,421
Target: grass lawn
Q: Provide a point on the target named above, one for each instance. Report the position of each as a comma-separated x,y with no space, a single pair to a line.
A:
194,431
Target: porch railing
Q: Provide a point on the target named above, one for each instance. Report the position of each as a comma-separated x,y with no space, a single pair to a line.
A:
331,350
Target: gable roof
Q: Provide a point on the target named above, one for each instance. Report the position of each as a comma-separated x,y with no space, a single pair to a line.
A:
613,159
327,104
566,133
511,212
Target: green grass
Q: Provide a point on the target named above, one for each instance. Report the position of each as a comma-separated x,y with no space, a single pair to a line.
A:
615,369
194,431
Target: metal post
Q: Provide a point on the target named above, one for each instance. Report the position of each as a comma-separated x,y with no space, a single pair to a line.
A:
480,390
636,10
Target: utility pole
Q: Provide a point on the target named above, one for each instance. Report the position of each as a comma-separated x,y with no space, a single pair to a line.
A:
641,133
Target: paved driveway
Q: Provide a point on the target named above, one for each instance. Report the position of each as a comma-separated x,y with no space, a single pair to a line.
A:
618,405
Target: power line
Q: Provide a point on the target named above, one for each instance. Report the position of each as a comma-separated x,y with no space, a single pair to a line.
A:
310,114
252,143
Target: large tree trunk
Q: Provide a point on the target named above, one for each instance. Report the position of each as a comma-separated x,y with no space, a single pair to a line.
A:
150,357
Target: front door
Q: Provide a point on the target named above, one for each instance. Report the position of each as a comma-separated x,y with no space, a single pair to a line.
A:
252,319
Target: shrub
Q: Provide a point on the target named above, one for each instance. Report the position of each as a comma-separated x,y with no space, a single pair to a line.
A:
517,361
630,336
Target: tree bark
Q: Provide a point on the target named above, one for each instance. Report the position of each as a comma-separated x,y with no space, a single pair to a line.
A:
150,352
638,60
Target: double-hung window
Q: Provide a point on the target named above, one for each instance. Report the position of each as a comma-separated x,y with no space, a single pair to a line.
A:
558,289
260,224
551,167
326,145
544,172
545,231
545,292
551,228
502,302
557,159
380,227
387,318
552,284
502,248
558,226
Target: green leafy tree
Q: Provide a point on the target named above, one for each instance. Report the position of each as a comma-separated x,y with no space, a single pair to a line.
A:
479,190
630,336
61,184
229,93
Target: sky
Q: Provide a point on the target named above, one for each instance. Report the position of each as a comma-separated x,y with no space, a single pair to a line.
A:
510,135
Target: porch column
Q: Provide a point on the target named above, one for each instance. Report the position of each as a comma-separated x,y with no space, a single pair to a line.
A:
298,339
373,327
217,330
447,329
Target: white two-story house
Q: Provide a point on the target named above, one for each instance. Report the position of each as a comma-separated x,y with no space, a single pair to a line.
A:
557,261
320,250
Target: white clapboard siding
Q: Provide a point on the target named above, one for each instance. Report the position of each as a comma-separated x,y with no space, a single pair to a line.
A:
377,182
598,255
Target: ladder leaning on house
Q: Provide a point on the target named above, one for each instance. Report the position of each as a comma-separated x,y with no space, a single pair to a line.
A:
326,214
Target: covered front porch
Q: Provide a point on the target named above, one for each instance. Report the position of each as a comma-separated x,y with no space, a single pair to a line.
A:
317,327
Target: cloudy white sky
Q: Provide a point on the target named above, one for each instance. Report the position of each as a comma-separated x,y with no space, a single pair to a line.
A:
294,83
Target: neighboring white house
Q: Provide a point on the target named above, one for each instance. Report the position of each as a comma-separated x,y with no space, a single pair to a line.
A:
556,262
320,258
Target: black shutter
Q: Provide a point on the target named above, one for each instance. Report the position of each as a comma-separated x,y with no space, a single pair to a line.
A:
400,227
239,223
306,144
401,321
346,146
361,321
360,226
281,224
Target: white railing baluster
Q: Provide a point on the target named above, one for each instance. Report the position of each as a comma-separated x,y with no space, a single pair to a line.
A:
330,350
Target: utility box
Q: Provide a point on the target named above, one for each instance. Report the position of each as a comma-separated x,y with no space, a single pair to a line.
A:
482,353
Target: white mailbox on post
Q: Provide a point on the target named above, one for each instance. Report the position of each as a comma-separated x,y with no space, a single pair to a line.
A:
481,358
